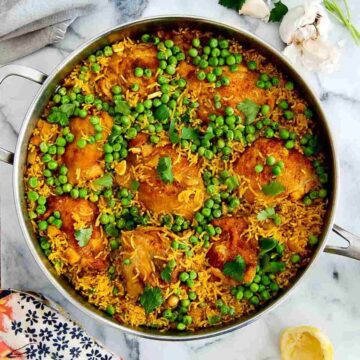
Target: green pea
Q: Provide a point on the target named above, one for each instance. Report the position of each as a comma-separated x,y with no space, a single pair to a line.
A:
284,134
52,165
43,147
181,326
201,75
33,182
288,115
260,84
276,170
139,72
196,42
63,179
114,244
42,225
184,276
67,187
33,195
193,52
230,60
270,160
265,109
322,193
211,78
252,65
289,85
259,168
290,144
110,310
225,81
116,90
283,104
81,143
131,133
295,258
313,240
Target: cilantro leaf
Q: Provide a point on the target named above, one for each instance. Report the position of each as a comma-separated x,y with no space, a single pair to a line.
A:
67,109
212,320
122,107
267,245
103,182
232,4
273,188
164,170
250,109
162,112
83,236
273,267
188,133
267,213
166,273
151,298
173,135
235,269
134,186
278,12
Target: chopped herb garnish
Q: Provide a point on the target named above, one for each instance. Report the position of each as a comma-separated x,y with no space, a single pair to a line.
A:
173,134
267,245
188,133
235,269
151,298
164,170
214,319
134,185
269,213
166,273
67,109
83,236
278,12
162,112
122,107
104,182
273,188
250,109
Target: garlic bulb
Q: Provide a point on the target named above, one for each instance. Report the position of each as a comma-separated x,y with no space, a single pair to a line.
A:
256,8
305,30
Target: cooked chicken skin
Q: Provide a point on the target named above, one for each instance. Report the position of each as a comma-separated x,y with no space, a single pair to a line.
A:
232,243
144,247
182,197
242,86
121,70
298,175
91,256
85,161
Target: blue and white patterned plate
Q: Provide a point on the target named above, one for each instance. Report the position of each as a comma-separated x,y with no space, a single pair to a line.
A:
31,327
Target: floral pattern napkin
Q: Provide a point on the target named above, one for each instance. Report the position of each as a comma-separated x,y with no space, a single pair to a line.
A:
31,327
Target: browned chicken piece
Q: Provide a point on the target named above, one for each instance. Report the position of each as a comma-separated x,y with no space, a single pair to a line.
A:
297,177
93,256
183,197
85,163
242,86
232,243
121,70
145,247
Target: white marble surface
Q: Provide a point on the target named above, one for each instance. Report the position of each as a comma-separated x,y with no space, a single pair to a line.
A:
328,299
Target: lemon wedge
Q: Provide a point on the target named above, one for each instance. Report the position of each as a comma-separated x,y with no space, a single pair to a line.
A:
305,343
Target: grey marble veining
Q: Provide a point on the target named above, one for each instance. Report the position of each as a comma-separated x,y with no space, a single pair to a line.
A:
327,299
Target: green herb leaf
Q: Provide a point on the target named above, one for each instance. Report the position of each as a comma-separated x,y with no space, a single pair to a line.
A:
250,109
104,182
212,320
164,170
188,133
267,213
232,4
83,236
134,185
151,298
278,12
235,269
58,117
166,273
273,188
162,112
67,109
122,107
173,134
267,245
273,267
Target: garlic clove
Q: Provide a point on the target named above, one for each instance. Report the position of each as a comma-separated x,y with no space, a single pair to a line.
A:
257,9
308,21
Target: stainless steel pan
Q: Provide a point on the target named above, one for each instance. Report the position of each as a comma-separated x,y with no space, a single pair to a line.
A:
48,85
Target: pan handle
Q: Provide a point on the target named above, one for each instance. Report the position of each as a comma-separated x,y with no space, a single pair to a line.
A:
353,248
27,73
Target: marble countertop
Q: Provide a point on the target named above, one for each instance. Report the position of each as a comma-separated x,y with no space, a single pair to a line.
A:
328,299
